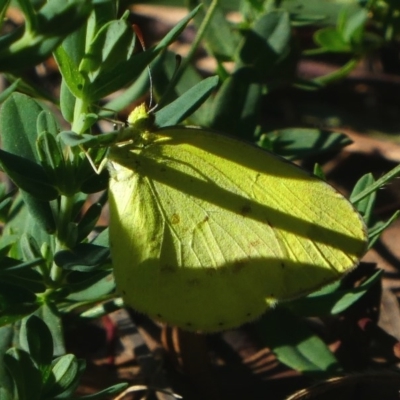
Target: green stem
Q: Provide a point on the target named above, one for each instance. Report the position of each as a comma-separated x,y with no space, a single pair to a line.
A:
80,110
313,52
384,180
63,232
188,59
338,74
200,34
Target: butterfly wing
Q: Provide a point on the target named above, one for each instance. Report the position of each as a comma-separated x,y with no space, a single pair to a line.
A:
207,231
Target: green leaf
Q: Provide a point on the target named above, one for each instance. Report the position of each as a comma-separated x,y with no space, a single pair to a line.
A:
15,303
236,107
111,391
221,37
366,206
171,87
51,156
299,143
36,45
72,78
138,89
6,341
49,152
18,121
112,45
102,239
30,247
318,171
28,10
40,212
35,338
186,104
66,372
12,295
92,287
102,309
54,14
4,4
126,72
28,176
332,299
25,278
375,231
8,91
48,312
46,122
67,102
296,345
88,221
382,181
103,12
6,394
331,40
85,257
353,28
328,10
266,58
17,312
267,45
95,183
25,374
6,202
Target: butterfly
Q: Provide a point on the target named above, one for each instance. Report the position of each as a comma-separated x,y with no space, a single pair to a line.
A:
207,232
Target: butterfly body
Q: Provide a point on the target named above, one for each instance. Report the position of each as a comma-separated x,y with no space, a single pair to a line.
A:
207,232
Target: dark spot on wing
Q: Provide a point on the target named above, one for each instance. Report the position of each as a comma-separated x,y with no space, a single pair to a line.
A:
175,219
203,221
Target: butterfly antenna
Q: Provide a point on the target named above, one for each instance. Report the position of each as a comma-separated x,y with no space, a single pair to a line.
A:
139,35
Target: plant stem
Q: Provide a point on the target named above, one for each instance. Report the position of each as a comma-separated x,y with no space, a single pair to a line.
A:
200,34
81,109
384,180
338,74
63,232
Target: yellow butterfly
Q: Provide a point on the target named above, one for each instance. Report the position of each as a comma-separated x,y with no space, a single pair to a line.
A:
207,232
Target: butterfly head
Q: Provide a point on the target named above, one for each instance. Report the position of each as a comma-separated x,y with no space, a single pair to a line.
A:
141,119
